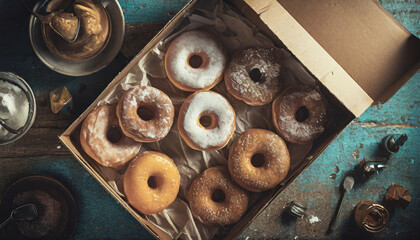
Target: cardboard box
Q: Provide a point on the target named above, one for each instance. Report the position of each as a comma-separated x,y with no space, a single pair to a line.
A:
356,49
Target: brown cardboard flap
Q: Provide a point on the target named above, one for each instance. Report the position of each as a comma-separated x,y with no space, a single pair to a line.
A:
366,40
312,55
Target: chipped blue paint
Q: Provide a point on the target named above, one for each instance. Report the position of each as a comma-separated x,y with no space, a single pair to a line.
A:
402,108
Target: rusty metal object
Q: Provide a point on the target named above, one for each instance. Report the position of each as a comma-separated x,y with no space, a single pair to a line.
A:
397,196
390,146
367,169
371,216
296,209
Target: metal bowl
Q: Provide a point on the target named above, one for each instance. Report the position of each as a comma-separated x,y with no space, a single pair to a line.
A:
89,66
45,185
16,80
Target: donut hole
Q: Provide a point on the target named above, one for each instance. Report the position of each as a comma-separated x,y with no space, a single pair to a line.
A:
205,121
152,182
114,134
195,61
255,75
218,196
145,113
302,114
257,160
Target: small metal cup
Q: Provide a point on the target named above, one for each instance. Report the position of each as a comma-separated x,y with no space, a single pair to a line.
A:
371,216
18,81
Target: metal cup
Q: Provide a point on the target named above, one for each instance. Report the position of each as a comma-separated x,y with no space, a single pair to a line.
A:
371,216
18,81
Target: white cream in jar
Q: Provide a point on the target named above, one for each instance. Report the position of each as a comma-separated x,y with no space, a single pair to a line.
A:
14,108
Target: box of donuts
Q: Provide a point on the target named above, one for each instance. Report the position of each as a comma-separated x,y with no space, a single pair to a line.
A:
230,102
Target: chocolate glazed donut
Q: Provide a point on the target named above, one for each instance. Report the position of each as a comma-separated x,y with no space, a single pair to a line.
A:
300,114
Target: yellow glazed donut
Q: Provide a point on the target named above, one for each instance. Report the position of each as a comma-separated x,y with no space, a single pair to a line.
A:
195,60
258,160
206,121
101,138
151,182
215,199
145,113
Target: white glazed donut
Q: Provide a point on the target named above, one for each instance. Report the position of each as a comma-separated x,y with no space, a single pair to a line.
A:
101,138
195,60
206,121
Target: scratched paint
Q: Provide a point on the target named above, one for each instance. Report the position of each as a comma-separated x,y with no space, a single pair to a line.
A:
405,101
406,12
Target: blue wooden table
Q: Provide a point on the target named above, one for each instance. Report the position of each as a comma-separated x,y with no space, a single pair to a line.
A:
101,217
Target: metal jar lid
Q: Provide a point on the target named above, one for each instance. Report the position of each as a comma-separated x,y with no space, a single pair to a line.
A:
371,216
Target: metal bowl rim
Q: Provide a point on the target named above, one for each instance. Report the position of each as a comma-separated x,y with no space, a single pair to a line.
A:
33,100
85,73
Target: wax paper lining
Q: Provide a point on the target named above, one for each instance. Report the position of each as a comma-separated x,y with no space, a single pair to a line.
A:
235,33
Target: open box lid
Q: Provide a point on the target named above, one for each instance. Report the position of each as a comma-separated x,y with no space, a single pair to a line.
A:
358,50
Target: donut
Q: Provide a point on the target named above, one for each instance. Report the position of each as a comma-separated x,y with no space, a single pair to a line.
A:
151,182
145,113
215,199
101,138
258,160
253,75
195,60
300,114
206,121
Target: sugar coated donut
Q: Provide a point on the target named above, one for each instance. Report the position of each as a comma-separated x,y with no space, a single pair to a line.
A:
253,75
215,199
145,113
206,121
151,182
258,160
101,138
300,114
195,60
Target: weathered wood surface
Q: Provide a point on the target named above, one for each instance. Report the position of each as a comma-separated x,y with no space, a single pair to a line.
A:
40,152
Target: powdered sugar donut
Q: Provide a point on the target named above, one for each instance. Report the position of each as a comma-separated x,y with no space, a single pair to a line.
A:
101,138
195,60
206,121
253,75
215,199
258,160
145,113
300,114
